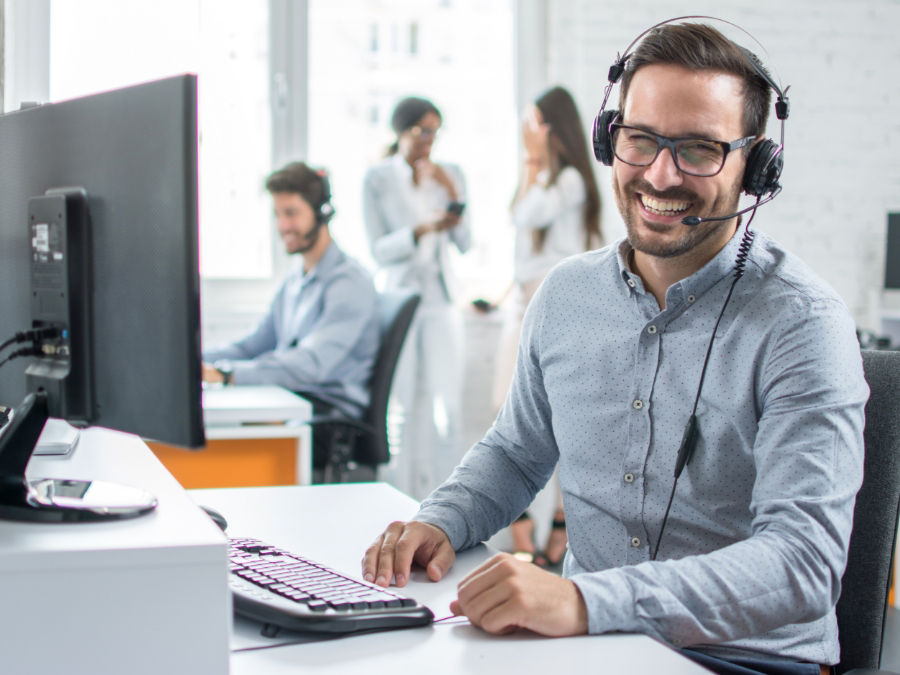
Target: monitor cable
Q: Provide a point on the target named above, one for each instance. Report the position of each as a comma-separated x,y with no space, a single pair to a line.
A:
38,337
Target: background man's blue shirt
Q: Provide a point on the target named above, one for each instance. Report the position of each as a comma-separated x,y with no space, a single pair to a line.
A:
319,336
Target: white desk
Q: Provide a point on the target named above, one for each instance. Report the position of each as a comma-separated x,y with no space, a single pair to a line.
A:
334,524
260,412
141,596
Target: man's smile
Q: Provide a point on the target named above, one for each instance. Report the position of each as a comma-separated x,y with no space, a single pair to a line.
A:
663,207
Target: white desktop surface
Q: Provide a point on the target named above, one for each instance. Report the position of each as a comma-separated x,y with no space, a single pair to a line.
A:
334,524
224,406
139,595
254,412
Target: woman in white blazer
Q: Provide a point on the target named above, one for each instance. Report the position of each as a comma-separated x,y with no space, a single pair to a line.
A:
556,213
414,211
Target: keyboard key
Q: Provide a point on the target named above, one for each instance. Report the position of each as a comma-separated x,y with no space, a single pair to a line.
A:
321,599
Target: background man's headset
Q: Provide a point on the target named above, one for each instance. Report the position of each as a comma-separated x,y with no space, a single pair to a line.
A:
761,174
323,211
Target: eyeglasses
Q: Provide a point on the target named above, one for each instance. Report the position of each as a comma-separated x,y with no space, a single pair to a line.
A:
693,156
424,133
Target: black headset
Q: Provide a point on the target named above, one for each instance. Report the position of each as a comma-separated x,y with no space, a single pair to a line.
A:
324,210
766,158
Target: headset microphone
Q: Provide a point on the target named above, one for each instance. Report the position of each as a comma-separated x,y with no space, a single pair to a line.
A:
696,220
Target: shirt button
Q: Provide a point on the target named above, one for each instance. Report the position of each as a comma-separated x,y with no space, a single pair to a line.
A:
629,477
631,283
691,298
637,404
651,330
635,542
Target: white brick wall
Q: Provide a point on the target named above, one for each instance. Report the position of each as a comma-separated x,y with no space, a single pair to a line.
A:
841,60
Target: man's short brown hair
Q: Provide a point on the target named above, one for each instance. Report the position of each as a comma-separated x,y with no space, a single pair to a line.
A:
696,46
300,179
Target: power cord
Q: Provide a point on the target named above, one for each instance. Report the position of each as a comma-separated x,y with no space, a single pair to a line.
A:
35,335
25,351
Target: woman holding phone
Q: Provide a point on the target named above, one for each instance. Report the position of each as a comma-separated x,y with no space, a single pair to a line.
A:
414,212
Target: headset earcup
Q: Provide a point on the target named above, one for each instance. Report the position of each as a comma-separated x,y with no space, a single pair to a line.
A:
602,142
325,213
763,169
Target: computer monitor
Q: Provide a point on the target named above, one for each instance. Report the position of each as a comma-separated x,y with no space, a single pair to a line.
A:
99,278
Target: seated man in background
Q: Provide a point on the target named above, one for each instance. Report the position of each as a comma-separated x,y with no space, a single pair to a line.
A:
320,335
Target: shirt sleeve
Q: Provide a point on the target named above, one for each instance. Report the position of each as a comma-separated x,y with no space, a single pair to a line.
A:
499,477
808,456
541,205
261,340
389,244
461,235
347,305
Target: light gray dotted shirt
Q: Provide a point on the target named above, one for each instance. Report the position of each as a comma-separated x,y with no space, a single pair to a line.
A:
756,540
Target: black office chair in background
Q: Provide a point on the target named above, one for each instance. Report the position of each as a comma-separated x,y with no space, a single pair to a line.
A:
863,605
349,443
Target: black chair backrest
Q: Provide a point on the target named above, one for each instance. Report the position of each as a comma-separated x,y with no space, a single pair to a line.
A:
863,604
395,313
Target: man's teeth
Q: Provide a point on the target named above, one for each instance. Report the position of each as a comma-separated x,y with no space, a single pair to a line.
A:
664,207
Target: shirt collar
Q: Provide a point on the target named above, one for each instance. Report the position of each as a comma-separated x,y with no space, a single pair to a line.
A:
721,265
332,257
402,167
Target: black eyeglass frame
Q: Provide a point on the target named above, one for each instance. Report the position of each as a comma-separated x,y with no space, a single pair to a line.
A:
666,142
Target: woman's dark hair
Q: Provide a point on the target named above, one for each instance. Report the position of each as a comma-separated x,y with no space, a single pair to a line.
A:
407,114
569,144
696,46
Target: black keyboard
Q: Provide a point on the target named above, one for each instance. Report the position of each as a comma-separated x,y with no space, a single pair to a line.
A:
284,589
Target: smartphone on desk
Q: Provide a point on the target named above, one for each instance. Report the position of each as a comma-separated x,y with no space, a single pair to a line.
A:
456,208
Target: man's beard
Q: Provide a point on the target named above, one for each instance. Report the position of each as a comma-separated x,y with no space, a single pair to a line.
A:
691,236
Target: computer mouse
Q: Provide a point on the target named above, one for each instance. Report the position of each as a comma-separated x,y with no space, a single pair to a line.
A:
217,517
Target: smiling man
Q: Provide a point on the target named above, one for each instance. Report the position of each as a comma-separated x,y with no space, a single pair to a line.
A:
739,559
320,335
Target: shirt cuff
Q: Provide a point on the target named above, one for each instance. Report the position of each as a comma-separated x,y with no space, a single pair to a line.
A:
609,601
449,519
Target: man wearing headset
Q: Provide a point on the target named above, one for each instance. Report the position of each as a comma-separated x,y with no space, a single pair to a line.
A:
742,563
320,335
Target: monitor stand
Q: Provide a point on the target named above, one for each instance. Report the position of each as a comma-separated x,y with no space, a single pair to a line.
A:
55,499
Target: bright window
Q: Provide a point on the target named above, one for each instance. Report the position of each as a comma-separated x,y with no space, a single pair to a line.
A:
460,55
96,45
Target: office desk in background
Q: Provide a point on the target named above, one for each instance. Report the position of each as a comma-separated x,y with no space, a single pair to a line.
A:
334,524
255,436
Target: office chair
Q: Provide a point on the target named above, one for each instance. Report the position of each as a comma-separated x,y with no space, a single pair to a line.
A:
351,443
862,607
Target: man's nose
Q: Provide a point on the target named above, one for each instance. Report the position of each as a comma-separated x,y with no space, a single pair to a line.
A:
663,172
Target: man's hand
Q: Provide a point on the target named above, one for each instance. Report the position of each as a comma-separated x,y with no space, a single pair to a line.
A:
211,374
504,594
401,545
